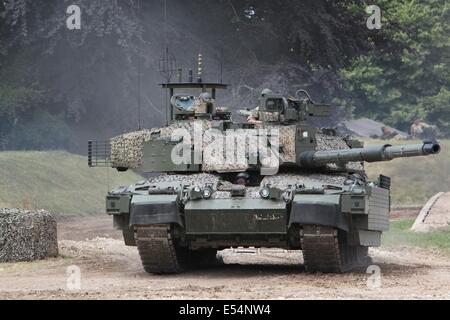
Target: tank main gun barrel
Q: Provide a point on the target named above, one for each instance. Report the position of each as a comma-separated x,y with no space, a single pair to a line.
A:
312,159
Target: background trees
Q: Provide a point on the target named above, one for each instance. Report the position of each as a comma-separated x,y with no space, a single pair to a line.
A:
405,75
54,82
58,88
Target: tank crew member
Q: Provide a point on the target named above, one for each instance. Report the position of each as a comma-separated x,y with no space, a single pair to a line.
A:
204,103
422,130
254,116
390,134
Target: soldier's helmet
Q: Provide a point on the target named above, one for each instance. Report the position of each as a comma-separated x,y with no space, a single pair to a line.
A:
266,92
205,96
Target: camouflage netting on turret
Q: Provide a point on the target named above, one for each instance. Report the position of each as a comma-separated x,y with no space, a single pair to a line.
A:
27,235
226,157
127,149
330,142
287,142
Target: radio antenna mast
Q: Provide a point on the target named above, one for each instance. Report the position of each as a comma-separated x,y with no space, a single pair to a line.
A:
139,66
221,65
167,64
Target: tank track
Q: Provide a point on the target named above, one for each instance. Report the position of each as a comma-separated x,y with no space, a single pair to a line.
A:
157,250
320,246
325,249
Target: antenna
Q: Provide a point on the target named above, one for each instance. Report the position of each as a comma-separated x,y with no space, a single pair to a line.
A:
221,65
139,67
200,67
167,64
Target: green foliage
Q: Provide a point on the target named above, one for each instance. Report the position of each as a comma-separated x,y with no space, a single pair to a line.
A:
42,131
50,74
17,99
88,78
405,75
24,121
400,235
14,102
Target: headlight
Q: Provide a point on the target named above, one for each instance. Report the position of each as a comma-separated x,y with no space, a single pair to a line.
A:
269,192
206,193
264,192
196,193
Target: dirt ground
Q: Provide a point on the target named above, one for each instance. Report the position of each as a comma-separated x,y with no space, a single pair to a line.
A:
109,270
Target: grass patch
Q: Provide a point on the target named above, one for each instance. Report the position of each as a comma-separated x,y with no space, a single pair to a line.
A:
414,180
57,181
65,257
400,235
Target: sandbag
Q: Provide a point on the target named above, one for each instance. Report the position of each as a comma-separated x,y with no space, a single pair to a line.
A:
27,235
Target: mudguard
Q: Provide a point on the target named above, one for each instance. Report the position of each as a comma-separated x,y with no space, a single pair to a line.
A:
155,209
323,210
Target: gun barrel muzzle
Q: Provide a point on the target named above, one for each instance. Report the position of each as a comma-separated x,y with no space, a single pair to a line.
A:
431,148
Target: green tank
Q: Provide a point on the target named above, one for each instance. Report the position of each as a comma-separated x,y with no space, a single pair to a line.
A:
290,185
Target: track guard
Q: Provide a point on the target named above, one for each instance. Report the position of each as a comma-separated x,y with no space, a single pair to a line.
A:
323,210
155,209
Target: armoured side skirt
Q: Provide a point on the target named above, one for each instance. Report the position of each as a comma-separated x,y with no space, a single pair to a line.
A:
327,215
322,210
155,209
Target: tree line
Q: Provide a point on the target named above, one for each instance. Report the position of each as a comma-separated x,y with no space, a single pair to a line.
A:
58,85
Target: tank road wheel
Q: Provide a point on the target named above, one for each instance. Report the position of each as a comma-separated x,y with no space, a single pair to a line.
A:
325,249
159,253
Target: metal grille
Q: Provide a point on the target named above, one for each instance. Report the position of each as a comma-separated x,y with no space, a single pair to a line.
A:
99,154
384,182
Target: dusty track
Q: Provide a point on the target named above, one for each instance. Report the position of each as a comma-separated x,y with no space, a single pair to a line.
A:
109,270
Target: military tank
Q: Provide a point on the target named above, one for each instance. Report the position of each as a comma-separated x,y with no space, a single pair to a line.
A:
290,185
